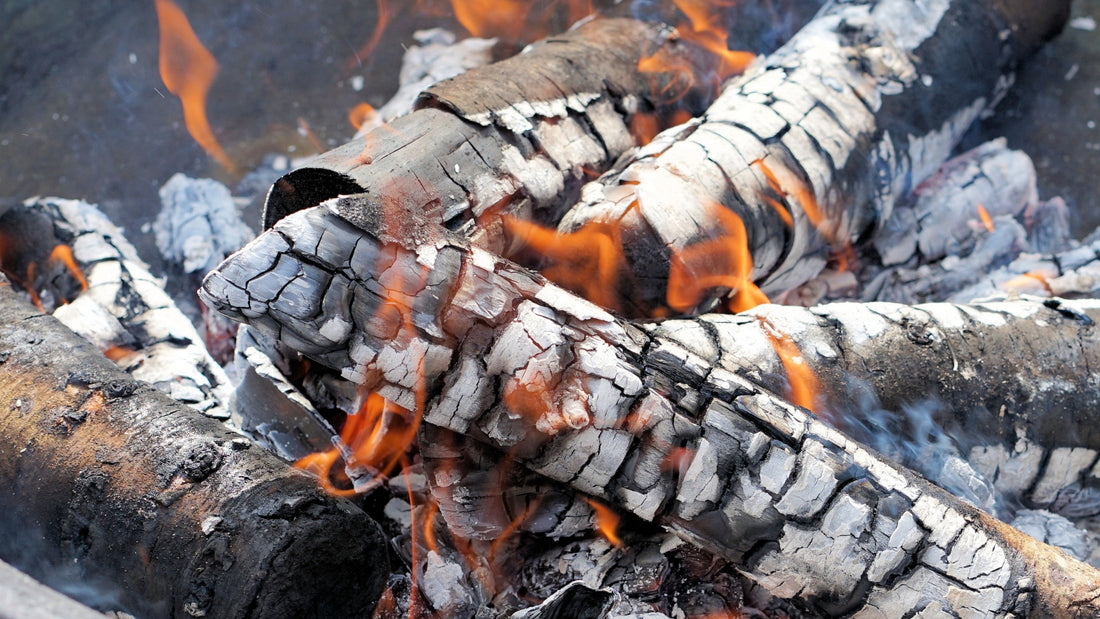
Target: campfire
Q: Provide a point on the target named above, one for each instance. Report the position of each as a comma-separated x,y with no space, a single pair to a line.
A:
628,322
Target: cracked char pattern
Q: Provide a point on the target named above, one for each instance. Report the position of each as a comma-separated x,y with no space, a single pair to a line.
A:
768,486
860,106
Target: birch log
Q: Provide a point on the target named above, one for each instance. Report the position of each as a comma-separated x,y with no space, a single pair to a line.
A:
519,135
116,482
863,103
497,353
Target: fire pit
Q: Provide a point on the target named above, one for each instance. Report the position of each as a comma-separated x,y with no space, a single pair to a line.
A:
519,338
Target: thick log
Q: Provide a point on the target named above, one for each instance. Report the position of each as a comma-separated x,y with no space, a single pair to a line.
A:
519,135
497,353
812,148
109,478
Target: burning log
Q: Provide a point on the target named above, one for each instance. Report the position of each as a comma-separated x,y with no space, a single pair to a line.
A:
124,311
519,136
487,349
107,475
813,147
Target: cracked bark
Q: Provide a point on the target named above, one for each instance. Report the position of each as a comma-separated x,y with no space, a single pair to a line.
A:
860,106
163,507
518,136
802,508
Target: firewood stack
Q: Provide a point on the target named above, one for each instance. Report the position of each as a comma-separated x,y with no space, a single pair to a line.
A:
784,443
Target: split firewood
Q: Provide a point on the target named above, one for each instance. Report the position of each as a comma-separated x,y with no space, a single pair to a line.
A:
813,147
124,309
485,348
113,479
518,136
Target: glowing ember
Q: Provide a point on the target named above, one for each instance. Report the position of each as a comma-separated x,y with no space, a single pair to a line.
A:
802,382
588,261
986,220
607,521
188,70
644,126
720,262
117,353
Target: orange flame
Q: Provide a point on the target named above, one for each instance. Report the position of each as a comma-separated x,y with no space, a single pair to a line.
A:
707,31
987,221
607,521
377,436
511,20
588,261
360,114
720,262
703,28
188,70
645,126
805,389
384,16
510,530
1032,282
64,254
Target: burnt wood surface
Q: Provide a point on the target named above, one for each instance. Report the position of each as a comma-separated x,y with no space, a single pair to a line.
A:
106,477
583,398
847,118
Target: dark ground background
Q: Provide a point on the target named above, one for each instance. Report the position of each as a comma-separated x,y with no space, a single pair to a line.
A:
84,114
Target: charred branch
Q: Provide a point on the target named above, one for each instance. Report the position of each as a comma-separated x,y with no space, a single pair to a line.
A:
115,479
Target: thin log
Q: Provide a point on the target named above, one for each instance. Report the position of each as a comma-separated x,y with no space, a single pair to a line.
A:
521,134
125,310
499,354
814,146
106,475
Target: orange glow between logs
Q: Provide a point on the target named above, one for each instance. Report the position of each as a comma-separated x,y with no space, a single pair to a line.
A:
607,521
721,262
1032,282
188,70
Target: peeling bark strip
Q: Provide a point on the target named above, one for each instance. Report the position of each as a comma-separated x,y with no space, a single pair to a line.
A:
132,488
585,399
518,136
867,100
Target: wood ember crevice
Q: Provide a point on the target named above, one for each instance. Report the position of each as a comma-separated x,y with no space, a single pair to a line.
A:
129,487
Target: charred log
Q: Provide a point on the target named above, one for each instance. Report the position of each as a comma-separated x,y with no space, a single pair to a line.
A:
499,354
815,145
519,136
106,475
